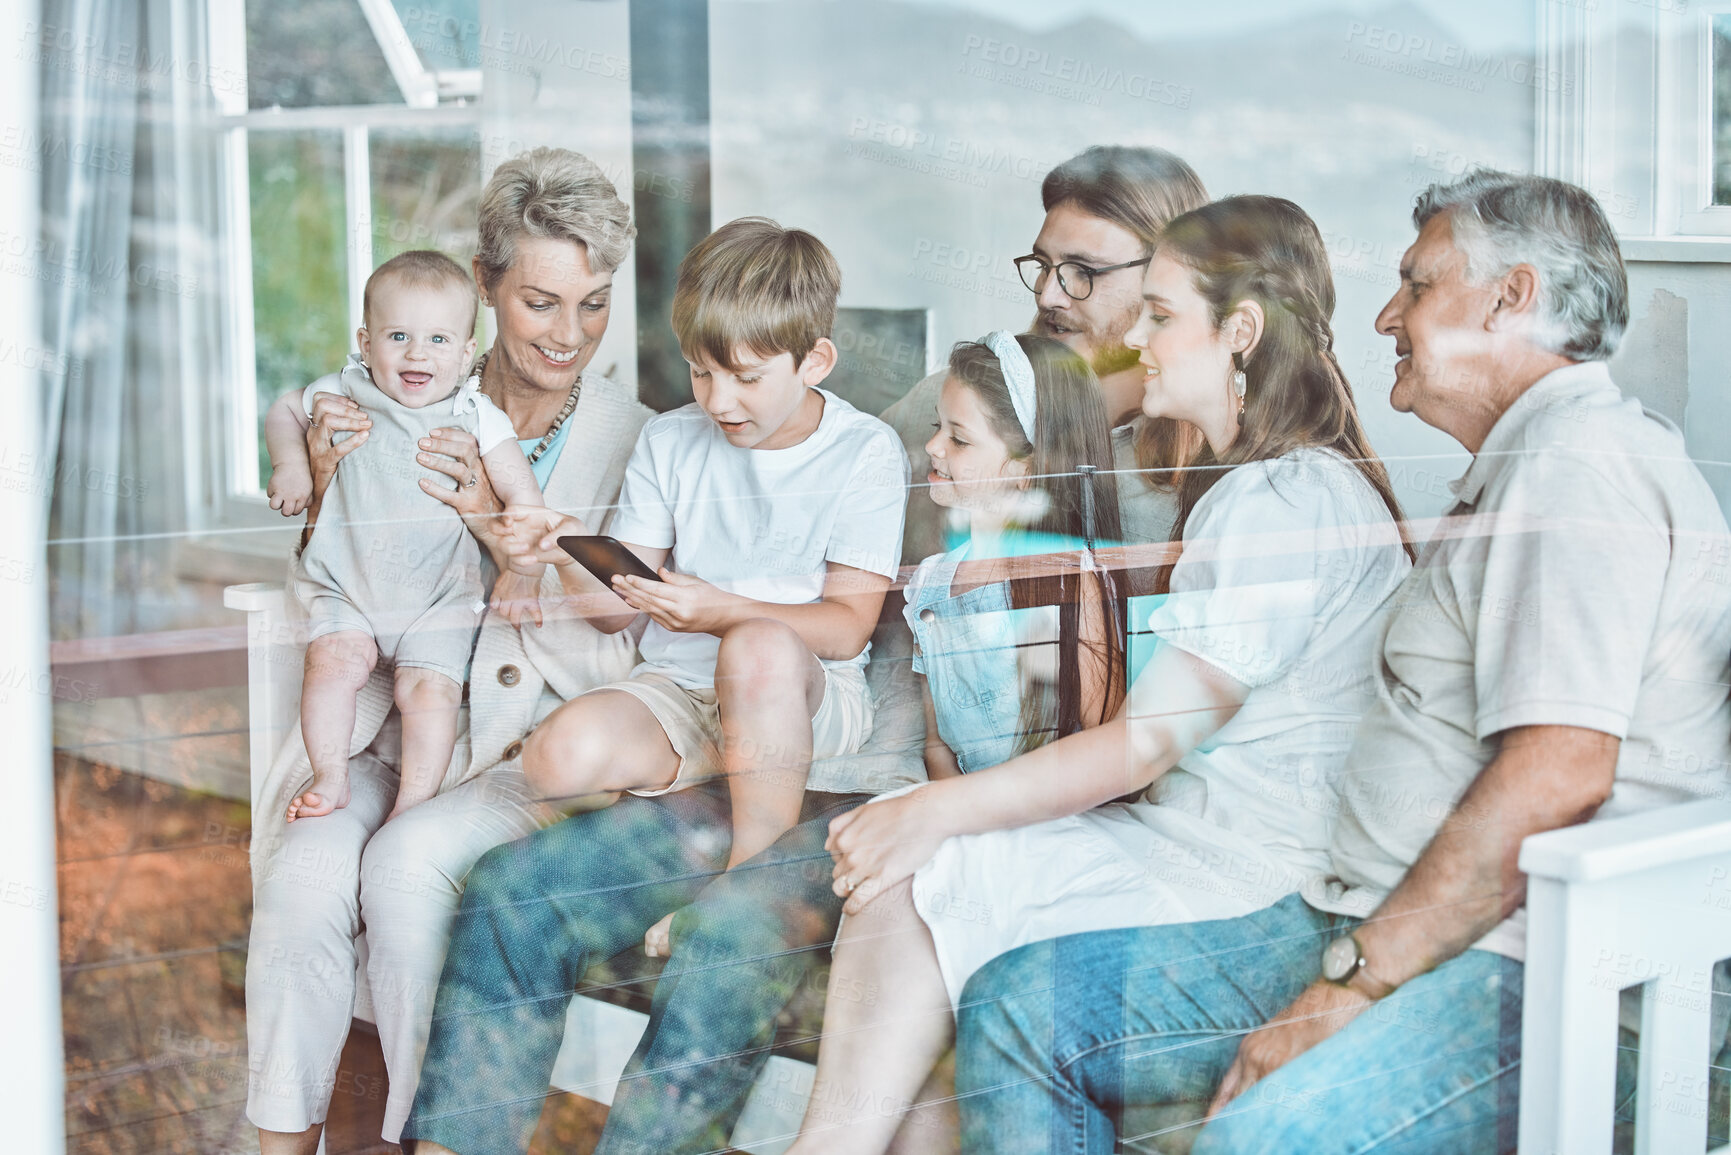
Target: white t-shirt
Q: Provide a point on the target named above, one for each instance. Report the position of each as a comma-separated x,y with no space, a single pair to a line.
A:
762,523
1581,581
492,427
1284,583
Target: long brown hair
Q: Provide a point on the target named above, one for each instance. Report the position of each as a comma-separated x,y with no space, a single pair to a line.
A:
1268,250
1071,430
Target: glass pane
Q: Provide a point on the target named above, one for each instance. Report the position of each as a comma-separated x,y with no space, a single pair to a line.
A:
314,52
426,183
1722,110
299,262
446,33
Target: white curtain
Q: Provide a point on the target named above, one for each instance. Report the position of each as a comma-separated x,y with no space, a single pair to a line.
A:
130,299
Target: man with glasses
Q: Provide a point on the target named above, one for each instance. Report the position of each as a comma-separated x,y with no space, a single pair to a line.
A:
1104,211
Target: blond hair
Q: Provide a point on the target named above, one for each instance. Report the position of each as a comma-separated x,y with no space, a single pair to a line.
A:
752,284
551,192
422,268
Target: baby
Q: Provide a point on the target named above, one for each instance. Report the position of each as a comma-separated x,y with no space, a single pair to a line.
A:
392,571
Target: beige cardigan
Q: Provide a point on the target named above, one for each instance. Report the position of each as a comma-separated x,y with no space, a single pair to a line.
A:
515,678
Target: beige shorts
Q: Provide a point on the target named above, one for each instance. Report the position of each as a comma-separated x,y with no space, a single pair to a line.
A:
692,721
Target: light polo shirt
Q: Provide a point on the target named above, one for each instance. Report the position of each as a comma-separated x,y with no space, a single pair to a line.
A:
1581,579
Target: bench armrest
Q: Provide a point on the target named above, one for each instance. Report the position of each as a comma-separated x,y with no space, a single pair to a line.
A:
275,654
1618,847
1643,902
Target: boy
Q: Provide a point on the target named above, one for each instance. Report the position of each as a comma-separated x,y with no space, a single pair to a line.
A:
773,512
392,571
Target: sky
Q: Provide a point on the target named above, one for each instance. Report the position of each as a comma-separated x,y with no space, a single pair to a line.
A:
1478,23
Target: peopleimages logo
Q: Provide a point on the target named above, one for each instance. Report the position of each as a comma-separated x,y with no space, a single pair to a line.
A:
1426,58
1066,77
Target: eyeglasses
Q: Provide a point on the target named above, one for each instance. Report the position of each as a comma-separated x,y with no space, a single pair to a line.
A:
1075,278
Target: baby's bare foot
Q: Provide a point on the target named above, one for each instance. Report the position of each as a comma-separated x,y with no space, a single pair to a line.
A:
323,796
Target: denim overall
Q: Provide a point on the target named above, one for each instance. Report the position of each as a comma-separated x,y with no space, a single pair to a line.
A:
965,645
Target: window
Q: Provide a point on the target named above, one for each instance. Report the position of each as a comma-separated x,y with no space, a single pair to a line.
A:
1638,110
1695,60
356,138
1721,72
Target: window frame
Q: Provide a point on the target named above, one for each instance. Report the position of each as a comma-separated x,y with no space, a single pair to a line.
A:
1628,116
432,99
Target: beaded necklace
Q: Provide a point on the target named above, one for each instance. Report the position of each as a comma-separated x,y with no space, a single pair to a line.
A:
564,412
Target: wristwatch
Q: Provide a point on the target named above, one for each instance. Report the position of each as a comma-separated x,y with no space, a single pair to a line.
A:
1343,960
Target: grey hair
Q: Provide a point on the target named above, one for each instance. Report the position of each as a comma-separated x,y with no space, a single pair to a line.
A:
552,192
1500,220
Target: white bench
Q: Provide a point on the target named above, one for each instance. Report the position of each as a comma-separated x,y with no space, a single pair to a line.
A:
1645,899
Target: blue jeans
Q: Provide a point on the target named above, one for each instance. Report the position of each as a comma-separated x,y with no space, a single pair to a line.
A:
537,912
1059,1042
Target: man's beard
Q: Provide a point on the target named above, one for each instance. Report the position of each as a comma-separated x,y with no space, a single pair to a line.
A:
1107,353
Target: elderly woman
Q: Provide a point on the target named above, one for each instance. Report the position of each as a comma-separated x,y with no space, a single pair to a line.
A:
552,231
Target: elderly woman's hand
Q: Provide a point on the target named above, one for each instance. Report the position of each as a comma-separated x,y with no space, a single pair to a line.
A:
456,454
880,844
332,414
518,597
529,535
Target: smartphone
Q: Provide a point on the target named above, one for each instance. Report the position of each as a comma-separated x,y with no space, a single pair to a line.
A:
605,556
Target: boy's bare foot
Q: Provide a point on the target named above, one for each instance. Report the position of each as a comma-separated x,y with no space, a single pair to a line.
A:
658,941
322,797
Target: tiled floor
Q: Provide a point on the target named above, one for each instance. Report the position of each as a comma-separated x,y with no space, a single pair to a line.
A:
154,902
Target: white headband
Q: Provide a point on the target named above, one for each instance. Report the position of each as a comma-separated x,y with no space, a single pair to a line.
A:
1018,375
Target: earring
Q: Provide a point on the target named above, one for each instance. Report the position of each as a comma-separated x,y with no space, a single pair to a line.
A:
1239,382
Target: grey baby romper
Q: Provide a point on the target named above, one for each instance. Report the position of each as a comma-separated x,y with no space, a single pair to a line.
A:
388,559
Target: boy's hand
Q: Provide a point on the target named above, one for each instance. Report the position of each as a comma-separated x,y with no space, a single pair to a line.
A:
658,941
290,489
680,602
518,597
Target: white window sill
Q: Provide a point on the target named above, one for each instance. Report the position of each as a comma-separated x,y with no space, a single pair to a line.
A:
236,557
1690,250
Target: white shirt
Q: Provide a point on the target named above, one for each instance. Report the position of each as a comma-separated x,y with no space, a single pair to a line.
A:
492,428
1284,582
762,523
1583,581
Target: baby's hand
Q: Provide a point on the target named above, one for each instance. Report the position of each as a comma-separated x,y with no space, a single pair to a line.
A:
658,941
518,596
290,489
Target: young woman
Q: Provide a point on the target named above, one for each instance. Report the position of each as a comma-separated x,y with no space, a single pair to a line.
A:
1238,723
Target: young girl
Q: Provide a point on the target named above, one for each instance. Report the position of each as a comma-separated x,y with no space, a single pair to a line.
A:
1016,416
1240,720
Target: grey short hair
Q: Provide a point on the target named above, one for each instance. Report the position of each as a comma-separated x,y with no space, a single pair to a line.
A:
1500,220
552,192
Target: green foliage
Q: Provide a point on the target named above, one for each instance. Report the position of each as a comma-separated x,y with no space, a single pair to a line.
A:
299,258
301,53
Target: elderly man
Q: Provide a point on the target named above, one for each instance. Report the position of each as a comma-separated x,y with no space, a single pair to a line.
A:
1105,208
1554,656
